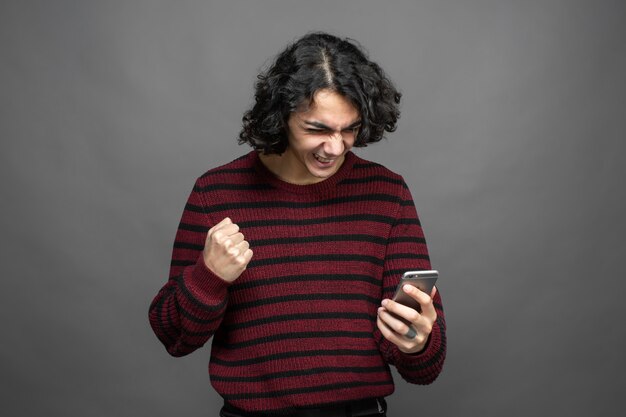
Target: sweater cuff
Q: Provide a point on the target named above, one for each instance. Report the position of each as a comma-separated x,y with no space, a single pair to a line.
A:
204,285
430,351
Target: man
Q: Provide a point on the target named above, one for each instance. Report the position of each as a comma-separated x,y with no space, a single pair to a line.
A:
288,256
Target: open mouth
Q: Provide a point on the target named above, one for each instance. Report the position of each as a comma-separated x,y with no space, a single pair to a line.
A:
322,159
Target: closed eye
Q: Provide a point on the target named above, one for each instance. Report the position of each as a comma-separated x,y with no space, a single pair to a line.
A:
315,128
317,131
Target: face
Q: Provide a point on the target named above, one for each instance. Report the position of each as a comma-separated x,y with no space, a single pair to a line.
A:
319,138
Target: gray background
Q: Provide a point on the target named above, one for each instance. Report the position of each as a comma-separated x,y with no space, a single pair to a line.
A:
512,141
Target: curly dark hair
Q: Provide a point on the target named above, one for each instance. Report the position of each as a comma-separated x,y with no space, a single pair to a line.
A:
314,62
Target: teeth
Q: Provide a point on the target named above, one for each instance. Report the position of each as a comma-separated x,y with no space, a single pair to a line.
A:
319,158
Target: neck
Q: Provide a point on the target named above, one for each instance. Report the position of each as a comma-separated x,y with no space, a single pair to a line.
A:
282,167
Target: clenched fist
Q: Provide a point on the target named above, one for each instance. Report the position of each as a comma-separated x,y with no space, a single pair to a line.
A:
226,252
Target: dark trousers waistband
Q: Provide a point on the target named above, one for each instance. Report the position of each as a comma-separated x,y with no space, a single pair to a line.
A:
361,408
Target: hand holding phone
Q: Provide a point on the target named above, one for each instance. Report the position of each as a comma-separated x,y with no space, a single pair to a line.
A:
423,280
398,322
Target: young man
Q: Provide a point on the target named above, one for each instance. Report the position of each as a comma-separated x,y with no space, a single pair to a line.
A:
288,256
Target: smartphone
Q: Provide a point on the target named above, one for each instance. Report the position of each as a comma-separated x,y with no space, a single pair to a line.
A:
424,280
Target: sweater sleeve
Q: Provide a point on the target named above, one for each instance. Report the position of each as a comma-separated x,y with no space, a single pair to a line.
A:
407,250
189,308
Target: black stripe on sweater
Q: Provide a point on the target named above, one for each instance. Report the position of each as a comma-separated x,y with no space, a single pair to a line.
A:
186,245
241,205
297,317
295,354
322,220
373,178
302,297
232,187
157,313
303,278
301,372
366,165
197,303
305,390
316,258
320,238
312,239
407,256
182,262
227,171
407,239
295,335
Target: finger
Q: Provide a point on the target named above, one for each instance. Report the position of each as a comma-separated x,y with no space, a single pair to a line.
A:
228,229
413,340
242,246
386,330
393,321
411,333
425,300
237,249
392,335
225,221
216,227
245,257
417,294
225,234
400,310
232,243
236,239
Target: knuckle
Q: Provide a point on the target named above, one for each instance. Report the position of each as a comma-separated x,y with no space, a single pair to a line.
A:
218,236
391,305
421,297
413,316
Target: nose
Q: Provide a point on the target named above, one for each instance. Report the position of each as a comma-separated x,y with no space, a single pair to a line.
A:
334,146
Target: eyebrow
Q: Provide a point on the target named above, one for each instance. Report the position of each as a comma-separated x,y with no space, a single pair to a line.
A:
320,125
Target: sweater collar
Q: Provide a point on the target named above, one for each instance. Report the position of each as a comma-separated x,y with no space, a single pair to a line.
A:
326,185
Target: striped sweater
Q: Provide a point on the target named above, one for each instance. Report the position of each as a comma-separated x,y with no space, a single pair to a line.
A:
298,327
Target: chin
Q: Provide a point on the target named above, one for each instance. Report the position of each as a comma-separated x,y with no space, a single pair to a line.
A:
321,173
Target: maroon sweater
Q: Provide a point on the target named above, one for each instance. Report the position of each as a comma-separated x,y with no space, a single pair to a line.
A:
298,327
